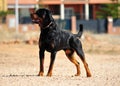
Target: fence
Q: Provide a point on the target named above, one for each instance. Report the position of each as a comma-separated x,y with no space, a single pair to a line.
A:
98,25
116,22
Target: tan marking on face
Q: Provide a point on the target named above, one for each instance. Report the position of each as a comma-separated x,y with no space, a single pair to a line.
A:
35,16
67,51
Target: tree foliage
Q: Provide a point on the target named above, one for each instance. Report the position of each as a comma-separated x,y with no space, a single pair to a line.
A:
3,13
109,10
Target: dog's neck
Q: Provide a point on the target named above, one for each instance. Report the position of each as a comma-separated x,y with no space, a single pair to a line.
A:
51,25
48,25
48,28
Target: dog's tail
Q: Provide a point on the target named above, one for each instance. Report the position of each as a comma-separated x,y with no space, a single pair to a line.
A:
79,34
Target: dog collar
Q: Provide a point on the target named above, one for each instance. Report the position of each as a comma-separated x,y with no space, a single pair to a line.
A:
48,25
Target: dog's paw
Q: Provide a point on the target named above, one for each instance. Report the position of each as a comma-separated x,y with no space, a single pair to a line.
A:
77,74
40,74
49,74
89,75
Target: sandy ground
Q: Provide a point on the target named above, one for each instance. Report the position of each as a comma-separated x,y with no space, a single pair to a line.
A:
19,66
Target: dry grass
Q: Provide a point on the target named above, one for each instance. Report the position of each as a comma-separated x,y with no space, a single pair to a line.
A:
101,43
9,35
92,43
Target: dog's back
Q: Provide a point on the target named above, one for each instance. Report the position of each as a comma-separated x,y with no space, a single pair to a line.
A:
54,39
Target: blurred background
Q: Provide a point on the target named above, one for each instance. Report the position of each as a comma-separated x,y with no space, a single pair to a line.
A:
19,58
101,19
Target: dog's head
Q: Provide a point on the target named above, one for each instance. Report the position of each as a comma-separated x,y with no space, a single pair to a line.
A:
43,17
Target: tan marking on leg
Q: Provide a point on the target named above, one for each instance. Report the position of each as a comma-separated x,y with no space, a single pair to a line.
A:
71,57
50,71
74,61
40,74
87,69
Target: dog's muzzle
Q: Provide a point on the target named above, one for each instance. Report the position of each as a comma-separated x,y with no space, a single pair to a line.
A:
35,21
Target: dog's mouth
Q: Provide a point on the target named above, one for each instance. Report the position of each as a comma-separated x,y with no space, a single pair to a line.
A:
39,20
36,19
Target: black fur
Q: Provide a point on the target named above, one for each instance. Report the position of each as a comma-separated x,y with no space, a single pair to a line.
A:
53,39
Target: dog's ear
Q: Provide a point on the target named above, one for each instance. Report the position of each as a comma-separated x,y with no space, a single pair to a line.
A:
49,15
40,13
44,14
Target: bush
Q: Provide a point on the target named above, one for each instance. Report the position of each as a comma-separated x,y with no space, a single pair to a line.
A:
109,10
3,13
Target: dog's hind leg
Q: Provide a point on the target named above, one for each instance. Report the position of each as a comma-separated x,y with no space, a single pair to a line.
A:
77,46
70,54
81,55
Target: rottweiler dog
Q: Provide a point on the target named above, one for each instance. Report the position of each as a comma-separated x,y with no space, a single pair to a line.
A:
53,39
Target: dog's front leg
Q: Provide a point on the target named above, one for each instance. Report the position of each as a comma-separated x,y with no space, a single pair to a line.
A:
53,54
41,57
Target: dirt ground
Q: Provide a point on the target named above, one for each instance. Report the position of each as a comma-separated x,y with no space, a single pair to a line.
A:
19,64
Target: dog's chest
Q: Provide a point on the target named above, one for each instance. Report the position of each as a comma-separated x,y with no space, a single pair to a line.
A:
48,41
